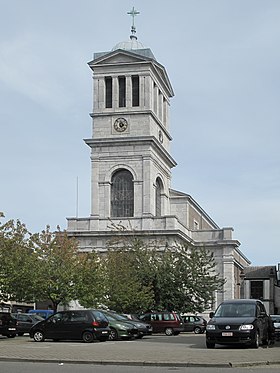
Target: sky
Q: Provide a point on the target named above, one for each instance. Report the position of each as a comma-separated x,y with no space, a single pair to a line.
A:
222,58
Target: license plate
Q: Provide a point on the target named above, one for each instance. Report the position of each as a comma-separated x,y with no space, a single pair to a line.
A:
104,332
227,334
11,328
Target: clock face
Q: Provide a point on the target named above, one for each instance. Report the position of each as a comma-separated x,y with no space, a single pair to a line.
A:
120,124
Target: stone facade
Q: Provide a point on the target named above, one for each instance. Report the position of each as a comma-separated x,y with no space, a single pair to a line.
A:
131,132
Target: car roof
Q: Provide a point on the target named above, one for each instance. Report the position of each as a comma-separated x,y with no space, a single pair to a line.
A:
250,301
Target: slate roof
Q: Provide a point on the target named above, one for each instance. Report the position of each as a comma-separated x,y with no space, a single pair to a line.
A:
259,272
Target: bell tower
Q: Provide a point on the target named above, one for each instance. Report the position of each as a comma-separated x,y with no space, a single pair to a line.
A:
130,159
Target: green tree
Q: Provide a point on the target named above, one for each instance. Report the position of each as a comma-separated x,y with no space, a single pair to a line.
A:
185,279
124,290
90,285
58,267
17,261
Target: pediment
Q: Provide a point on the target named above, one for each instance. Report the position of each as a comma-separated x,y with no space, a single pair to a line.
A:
116,57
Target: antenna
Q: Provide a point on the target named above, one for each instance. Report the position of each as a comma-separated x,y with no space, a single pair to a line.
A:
77,197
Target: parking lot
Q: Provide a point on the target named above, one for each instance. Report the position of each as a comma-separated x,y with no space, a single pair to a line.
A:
186,349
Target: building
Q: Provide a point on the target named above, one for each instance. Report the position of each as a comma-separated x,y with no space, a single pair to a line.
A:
131,165
262,282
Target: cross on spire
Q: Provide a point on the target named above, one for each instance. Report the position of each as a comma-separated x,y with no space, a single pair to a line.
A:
133,13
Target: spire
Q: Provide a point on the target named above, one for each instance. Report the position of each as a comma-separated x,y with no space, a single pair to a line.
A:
133,13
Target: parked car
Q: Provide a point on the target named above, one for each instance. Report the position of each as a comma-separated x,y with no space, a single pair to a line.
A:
86,325
8,325
43,313
194,323
133,317
166,322
25,321
119,328
143,328
239,321
276,323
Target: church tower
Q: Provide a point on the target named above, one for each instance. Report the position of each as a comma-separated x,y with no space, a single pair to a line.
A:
131,166
130,160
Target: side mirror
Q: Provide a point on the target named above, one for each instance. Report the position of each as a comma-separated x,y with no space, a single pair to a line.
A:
211,314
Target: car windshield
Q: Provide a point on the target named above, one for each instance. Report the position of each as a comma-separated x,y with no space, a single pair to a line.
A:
235,310
116,316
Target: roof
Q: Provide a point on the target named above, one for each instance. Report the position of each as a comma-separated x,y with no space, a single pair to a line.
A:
259,272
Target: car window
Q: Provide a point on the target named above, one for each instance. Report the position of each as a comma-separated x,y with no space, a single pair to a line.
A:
78,316
24,318
99,316
235,310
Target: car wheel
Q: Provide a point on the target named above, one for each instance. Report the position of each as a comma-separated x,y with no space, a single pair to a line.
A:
113,336
256,342
169,331
197,330
38,336
210,344
88,337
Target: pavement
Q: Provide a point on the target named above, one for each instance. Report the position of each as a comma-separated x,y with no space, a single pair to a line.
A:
148,351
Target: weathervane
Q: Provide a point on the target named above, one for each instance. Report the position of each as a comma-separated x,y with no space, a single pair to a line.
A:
133,13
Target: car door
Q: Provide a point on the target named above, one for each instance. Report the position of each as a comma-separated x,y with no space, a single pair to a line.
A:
188,323
55,326
24,323
262,320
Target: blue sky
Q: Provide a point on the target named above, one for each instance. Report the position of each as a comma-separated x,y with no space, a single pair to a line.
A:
222,57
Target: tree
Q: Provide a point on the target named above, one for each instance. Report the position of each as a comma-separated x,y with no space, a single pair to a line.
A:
89,283
58,267
17,261
124,291
185,279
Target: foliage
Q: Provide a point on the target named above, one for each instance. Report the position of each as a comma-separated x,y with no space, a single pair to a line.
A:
124,291
58,266
90,287
17,262
130,277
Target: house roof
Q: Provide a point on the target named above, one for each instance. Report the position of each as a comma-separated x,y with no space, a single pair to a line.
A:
260,272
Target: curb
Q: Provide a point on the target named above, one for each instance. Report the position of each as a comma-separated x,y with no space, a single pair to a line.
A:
144,363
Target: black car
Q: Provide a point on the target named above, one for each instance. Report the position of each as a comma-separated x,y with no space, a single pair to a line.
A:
239,321
86,325
276,323
8,325
194,323
25,321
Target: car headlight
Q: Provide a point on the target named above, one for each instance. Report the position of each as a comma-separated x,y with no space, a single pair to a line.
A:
210,327
246,327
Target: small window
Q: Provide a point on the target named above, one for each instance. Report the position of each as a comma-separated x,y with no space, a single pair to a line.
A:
257,289
135,90
108,92
122,91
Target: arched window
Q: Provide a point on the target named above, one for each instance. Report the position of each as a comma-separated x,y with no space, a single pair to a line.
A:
158,196
122,194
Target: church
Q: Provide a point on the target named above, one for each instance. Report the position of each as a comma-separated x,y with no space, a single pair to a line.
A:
131,166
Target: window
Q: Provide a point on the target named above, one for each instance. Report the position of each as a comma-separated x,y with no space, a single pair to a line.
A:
135,90
122,91
122,194
257,289
108,92
158,196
